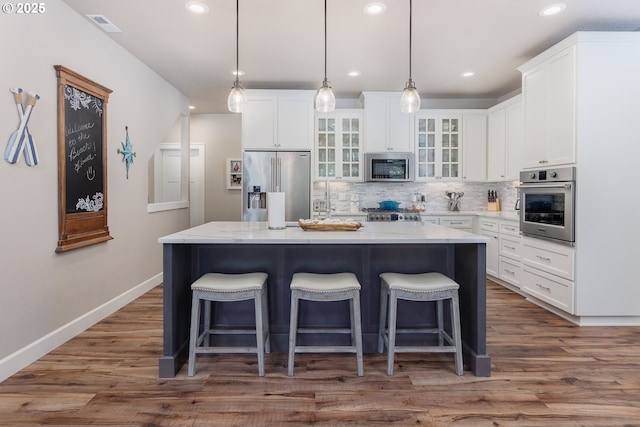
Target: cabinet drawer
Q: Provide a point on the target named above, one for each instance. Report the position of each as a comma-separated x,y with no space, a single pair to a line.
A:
488,224
510,271
511,247
466,222
511,228
430,219
549,257
550,289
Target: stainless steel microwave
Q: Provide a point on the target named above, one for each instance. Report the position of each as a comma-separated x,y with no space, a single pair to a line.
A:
389,167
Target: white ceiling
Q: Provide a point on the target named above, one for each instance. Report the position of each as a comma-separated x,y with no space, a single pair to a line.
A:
281,42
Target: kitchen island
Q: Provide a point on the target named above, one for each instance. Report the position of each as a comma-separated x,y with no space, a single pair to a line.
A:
239,247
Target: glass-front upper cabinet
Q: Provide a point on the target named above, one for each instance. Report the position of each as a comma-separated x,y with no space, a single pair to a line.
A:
438,147
338,145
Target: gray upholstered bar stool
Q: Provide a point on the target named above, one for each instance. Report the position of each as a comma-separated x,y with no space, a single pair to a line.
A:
228,287
419,287
326,287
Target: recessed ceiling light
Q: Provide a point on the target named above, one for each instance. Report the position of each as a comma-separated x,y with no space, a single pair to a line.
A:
238,73
197,7
191,107
375,8
468,74
354,73
553,9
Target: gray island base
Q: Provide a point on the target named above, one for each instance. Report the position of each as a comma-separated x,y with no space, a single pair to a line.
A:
240,247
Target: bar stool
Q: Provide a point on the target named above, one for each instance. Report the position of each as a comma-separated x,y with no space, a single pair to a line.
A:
326,287
419,287
224,288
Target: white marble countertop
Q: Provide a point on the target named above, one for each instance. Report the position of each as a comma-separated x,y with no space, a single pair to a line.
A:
369,233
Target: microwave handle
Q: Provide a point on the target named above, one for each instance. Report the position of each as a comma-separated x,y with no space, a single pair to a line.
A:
564,185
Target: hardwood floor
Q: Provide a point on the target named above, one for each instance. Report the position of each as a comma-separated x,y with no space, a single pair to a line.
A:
546,372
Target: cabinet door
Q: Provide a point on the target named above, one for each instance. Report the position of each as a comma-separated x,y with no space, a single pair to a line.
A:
351,150
534,87
474,148
400,127
326,148
450,147
259,123
426,148
387,128
492,253
375,118
338,146
562,140
295,122
497,145
515,137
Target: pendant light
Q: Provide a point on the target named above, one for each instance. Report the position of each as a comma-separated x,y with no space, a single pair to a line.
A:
325,100
410,100
237,98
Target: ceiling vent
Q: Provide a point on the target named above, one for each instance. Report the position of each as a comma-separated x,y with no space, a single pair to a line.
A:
104,23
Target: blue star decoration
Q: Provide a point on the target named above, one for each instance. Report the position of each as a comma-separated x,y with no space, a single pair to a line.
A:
127,151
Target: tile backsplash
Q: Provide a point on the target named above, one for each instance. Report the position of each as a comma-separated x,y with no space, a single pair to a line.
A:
369,194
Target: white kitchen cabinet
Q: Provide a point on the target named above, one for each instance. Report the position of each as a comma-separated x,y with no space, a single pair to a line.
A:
461,222
489,227
278,120
510,271
438,146
386,128
550,257
474,147
338,145
549,107
505,140
551,289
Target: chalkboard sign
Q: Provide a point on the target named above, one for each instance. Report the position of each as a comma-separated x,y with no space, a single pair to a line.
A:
82,161
83,151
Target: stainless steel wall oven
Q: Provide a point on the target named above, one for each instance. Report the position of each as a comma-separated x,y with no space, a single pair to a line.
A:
547,204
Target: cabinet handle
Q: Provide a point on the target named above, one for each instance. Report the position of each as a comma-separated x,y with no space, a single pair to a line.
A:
542,162
510,247
455,223
546,288
510,228
543,258
509,272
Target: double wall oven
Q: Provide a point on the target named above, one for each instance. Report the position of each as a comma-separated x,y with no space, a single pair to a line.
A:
547,204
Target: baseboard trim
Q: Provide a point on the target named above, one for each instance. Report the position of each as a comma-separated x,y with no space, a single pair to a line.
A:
34,351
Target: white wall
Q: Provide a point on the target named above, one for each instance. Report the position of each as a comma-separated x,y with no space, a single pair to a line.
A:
43,294
221,134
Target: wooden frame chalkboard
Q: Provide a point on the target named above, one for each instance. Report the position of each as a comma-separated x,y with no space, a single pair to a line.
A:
82,161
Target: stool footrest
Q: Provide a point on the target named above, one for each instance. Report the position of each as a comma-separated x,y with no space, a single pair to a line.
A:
325,349
213,350
425,349
236,331
324,331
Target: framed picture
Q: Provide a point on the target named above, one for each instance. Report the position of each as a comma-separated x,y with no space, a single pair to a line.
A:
234,174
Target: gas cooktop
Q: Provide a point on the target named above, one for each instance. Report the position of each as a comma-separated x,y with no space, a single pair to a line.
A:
400,214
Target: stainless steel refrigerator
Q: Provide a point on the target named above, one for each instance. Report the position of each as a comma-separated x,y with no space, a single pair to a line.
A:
268,171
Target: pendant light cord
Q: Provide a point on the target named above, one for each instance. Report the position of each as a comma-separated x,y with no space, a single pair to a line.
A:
325,40
237,40
410,33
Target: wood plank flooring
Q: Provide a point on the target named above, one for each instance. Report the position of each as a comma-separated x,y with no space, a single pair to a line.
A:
546,372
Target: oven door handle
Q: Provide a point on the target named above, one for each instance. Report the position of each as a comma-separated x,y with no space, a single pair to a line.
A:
563,185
